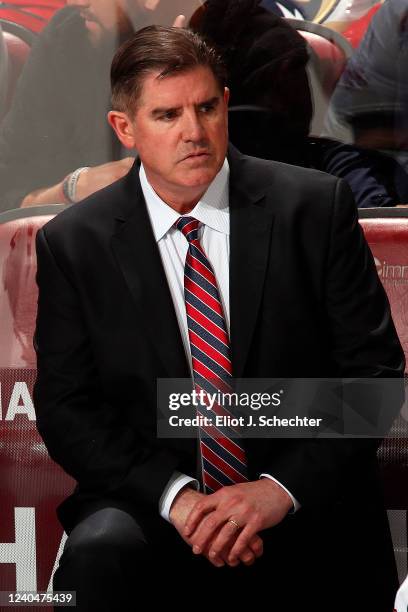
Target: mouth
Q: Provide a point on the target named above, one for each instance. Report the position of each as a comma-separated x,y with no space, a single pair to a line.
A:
197,155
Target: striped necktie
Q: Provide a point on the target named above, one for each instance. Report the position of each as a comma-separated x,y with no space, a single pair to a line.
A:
223,458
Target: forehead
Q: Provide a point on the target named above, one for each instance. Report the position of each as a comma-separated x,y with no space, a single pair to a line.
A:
179,89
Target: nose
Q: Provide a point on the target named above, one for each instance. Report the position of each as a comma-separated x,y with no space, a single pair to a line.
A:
193,129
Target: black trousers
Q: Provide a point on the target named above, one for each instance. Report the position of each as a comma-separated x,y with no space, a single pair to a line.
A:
113,564
116,565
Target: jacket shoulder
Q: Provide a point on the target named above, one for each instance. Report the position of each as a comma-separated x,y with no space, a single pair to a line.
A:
271,173
287,188
95,215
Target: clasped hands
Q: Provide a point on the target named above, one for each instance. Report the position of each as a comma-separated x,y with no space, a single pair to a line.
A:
225,526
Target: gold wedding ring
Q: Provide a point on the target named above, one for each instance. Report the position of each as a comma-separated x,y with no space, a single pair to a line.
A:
237,525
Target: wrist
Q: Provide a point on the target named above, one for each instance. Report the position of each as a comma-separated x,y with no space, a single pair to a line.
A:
70,184
285,498
183,500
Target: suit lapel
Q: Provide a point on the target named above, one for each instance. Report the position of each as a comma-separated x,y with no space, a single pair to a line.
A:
250,235
138,257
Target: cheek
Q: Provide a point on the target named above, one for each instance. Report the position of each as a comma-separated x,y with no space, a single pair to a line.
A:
155,152
219,136
108,17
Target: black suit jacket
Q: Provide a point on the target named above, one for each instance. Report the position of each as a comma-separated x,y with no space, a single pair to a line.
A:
305,301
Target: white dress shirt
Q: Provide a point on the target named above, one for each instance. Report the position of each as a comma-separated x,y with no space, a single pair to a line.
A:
213,212
401,602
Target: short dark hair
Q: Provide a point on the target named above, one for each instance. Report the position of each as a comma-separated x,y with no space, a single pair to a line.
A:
158,48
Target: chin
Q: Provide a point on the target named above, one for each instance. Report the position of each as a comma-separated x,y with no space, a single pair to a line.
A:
200,178
201,175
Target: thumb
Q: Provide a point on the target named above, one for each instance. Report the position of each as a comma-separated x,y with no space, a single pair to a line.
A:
179,22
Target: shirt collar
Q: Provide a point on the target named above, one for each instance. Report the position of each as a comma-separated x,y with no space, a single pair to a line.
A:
212,210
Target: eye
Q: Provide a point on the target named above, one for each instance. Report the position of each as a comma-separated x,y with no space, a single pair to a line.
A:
168,116
207,108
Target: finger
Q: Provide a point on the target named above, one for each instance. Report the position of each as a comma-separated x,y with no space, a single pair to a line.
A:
251,553
206,532
231,563
247,557
199,511
224,541
243,541
218,561
256,545
179,22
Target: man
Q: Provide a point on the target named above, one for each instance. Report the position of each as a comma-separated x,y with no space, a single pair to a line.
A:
369,104
278,282
56,122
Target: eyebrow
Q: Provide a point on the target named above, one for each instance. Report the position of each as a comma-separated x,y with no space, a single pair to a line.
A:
161,111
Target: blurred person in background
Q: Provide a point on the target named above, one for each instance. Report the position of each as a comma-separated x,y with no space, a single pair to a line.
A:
370,103
335,14
271,105
57,123
341,14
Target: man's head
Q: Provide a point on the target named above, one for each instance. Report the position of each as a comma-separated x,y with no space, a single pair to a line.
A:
170,104
117,18
104,17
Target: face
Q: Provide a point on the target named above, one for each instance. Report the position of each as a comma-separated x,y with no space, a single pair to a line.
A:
102,17
179,129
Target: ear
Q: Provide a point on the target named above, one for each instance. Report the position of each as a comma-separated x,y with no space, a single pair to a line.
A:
123,127
226,95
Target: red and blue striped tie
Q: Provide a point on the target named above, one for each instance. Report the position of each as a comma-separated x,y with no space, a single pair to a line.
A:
223,456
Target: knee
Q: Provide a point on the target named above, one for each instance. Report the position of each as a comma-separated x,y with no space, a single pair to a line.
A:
107,536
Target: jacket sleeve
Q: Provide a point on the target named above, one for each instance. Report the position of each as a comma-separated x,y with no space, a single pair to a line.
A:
81,431
364,344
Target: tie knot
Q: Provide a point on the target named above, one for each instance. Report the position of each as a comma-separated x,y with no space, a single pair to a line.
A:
189,227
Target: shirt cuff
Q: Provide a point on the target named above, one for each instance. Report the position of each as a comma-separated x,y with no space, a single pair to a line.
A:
295,502
177,482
